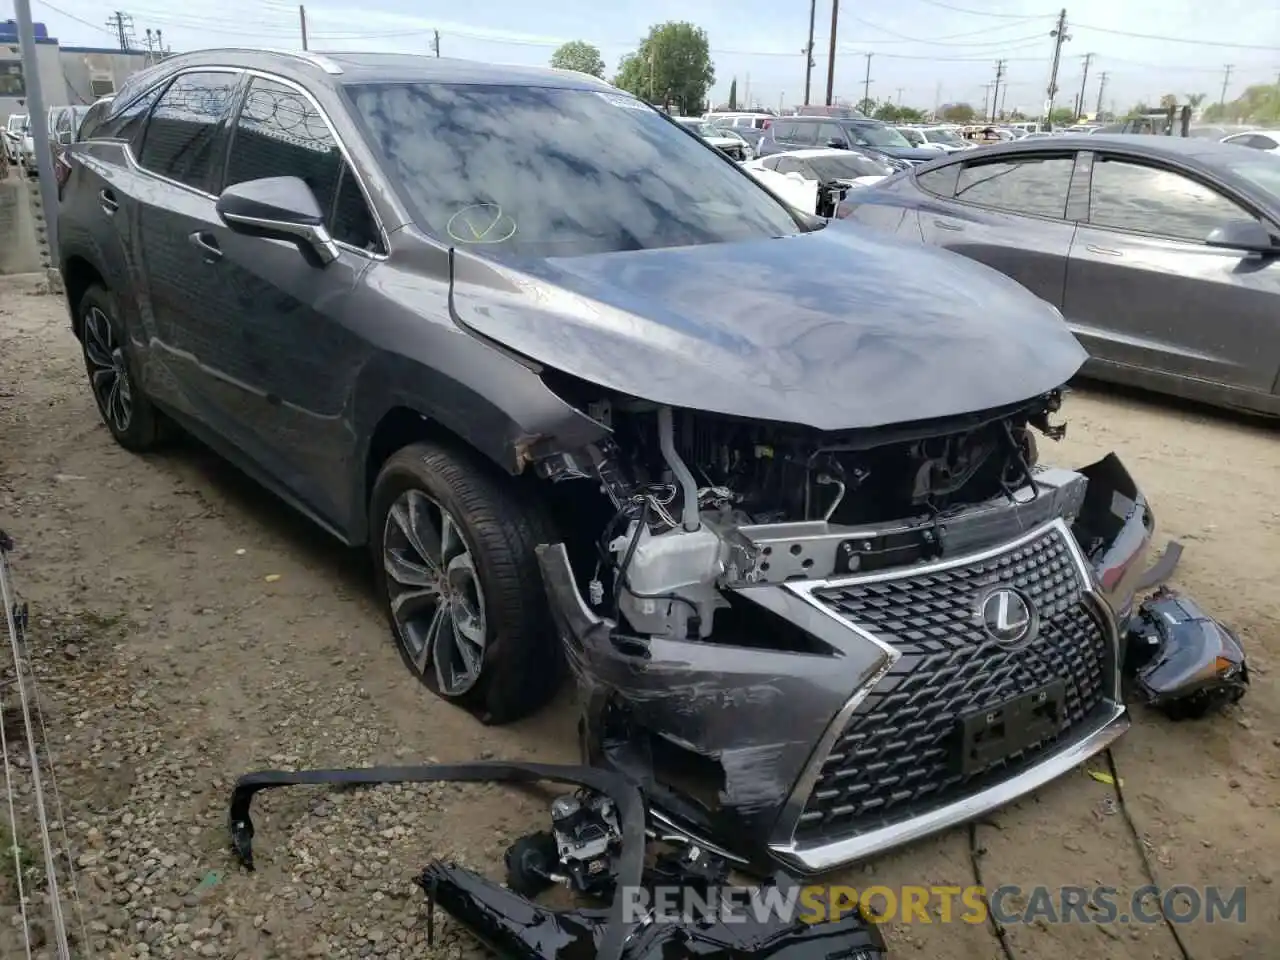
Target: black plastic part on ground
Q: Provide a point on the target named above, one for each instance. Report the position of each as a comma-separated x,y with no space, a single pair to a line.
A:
519,929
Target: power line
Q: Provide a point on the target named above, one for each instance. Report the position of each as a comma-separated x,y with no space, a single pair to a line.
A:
1199,43
941,41
984,13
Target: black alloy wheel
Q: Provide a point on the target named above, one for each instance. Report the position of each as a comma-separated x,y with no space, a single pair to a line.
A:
128,414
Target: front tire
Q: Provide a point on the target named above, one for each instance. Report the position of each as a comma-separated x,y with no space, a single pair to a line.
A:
128,414
453,550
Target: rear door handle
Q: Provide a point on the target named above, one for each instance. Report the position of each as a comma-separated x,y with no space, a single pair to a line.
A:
108,201
948,225
1104,251
207,245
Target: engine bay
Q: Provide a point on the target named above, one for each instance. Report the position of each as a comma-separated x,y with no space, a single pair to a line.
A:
700,501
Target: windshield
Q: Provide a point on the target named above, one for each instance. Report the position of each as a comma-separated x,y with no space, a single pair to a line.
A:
944,136
913,137
848,167
878,136
1261,171
544,172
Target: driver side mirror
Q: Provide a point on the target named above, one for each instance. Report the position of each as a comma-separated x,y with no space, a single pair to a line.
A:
278,208
64,138
835,143
1246,235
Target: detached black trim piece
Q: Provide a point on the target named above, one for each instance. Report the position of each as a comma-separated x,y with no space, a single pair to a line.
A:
631,812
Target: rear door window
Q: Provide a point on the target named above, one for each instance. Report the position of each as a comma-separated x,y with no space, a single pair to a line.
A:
1037,186
181,142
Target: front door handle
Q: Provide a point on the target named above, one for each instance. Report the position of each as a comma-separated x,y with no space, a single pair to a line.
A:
948,225
1103,251
207,245
108,201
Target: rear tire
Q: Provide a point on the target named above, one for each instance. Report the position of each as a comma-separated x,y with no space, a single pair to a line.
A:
453,550
129,415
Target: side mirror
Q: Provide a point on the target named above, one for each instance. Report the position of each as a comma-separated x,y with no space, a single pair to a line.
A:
835,143
278,208
795,175
64,138
1247,235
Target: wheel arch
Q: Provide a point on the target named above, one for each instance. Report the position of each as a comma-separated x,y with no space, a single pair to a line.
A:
78,275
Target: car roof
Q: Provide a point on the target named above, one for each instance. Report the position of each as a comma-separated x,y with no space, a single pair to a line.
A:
358,67
1245,133
1136,143
813,153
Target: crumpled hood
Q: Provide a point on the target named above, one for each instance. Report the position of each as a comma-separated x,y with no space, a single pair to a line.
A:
834,329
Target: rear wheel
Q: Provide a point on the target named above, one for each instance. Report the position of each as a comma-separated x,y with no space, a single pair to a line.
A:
128,414
455,565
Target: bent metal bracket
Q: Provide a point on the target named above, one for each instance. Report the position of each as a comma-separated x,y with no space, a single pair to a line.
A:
516,927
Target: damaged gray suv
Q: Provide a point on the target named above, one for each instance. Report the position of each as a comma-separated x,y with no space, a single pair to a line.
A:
594,398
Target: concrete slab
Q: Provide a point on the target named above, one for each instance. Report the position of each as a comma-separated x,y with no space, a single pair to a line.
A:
19,251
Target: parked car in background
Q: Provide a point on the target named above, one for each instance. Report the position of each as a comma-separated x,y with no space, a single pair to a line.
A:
1268,140
949,140
729,118
1163,253
796,133
726,141
15,129
816,180
76,121
753,135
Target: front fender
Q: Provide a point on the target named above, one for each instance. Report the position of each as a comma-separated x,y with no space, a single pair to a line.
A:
1115,528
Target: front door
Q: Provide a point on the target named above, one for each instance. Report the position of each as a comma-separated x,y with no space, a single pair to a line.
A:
287,329
1144,289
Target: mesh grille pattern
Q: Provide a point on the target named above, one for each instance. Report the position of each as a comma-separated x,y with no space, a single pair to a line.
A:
896,757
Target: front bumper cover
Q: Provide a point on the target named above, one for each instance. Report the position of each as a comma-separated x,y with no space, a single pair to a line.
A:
752,726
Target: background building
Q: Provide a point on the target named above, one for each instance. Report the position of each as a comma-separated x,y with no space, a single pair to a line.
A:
68,75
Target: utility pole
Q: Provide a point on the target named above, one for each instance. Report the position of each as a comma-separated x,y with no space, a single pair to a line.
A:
1004,96
986,100
302,22
1226,78
937,99
1084,78
122,24
831,55
995,99
1102,86
435,45
1060,36
746,93
808,52
900,89
866,84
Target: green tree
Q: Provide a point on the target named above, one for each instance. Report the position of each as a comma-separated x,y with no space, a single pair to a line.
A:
673,65
733,94
1168,100
866,107
893,113
1062,116
957,113
1195,99
578,55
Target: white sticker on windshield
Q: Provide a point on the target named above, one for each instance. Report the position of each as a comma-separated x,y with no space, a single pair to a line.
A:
618,100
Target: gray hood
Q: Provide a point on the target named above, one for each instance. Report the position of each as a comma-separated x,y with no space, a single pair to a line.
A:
835,329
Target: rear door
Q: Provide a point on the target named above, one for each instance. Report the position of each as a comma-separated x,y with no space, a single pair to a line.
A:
1144,289
183,149
1009,212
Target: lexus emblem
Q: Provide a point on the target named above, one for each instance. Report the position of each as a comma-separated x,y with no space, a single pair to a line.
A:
1008,617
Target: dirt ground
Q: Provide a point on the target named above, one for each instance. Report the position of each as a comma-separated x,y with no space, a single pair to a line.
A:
186,627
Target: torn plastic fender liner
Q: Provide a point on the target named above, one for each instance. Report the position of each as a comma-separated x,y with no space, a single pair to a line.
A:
1115,528
631,811
725,704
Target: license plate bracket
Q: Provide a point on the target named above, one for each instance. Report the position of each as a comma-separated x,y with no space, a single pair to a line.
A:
988,736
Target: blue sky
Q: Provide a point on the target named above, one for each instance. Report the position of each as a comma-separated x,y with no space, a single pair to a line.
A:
923,50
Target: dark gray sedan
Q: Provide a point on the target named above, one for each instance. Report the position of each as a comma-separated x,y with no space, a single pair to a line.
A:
1162,253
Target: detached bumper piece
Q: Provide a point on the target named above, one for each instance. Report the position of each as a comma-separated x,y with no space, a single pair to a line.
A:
596,847
1181,660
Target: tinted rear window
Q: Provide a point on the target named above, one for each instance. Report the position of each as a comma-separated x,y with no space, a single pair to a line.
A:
555,172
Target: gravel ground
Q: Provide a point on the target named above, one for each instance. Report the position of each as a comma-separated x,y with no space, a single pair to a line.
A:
185,628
